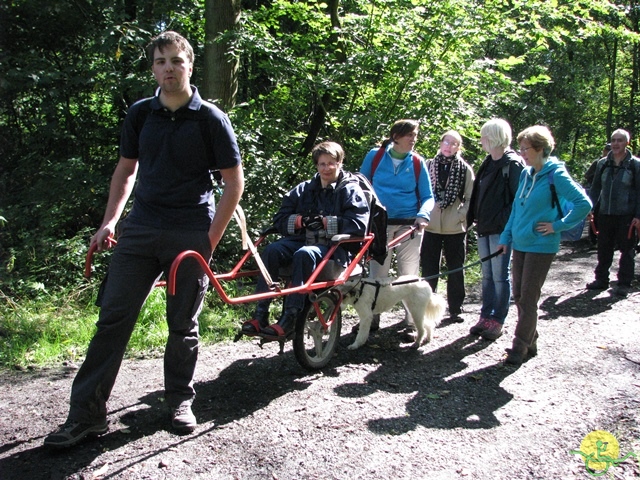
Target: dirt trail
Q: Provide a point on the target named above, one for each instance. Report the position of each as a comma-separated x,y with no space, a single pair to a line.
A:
450,410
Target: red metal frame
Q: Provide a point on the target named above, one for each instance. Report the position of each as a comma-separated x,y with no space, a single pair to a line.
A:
334,313
236,272
309,286
92,250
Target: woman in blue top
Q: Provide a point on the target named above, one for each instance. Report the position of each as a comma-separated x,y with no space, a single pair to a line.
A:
533,231
401,182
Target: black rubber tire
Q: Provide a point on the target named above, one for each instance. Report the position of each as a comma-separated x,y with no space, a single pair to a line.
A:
313,345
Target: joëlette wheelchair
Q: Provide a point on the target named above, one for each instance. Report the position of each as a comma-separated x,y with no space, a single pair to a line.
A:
317,331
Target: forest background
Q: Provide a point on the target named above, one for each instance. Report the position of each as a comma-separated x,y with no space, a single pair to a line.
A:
289,74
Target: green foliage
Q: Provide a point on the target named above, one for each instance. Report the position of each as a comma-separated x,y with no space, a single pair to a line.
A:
304,76
58,327
45,331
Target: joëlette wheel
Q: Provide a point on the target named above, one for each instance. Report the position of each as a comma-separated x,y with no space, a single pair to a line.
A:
318,331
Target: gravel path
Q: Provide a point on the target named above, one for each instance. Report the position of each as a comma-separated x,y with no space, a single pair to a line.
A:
450,410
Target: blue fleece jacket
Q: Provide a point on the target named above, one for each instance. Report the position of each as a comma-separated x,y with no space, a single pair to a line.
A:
396,187
532,205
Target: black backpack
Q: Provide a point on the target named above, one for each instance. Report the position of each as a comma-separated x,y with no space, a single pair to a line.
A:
378,249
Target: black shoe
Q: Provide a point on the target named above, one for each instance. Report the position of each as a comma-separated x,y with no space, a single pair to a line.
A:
621,291
598,285
183,419
285,326
256,324
72,432
456,317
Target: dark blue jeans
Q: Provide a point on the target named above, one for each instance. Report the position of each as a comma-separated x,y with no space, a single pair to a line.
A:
496,280
303,260
140,257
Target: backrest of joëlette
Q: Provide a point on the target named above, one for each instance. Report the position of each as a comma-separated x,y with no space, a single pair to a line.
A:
378,249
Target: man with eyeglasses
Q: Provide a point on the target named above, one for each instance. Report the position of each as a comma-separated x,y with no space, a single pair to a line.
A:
615,192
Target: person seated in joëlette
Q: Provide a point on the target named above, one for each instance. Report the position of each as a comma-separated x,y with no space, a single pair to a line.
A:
328,204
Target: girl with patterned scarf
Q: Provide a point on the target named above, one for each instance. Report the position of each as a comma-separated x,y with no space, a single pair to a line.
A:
452,184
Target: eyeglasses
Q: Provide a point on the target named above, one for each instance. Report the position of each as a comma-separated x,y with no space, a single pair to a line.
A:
450,144
327,165
523,150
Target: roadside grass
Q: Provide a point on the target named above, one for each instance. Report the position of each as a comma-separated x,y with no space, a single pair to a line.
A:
57,328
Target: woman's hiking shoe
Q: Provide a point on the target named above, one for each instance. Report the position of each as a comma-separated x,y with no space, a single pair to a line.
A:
598,285
375,325
621,291
493,330
520,352
410,334
72,432
481,326
183,419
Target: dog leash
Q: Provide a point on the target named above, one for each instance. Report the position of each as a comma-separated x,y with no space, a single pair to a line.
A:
362,281
464,267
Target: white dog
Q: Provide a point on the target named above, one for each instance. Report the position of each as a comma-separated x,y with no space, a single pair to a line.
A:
373,296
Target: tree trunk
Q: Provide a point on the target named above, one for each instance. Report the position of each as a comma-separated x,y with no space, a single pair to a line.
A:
612,87
220,83
322,106
635,73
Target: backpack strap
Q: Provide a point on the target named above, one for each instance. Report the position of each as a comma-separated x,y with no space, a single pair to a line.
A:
416,168
416,173
376,161
555,202
506,171
378,157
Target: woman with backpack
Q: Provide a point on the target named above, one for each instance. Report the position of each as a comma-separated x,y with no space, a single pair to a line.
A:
533,231
401,182
490,206
452,183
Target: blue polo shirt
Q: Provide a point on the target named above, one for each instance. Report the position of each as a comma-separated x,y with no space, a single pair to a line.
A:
176,152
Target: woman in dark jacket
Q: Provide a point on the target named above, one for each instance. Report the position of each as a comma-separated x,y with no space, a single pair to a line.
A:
493,192
309,216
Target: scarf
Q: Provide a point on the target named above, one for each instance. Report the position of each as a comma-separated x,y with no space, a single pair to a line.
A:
447,188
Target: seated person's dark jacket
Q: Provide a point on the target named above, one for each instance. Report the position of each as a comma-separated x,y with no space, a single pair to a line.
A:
344,209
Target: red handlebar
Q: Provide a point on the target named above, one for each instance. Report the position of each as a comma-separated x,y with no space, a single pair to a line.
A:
400,238
92,249
629,233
